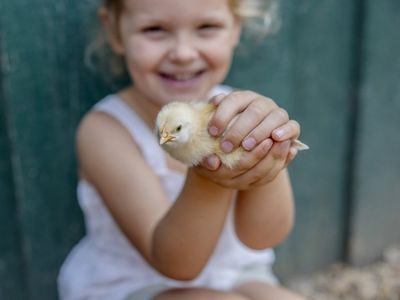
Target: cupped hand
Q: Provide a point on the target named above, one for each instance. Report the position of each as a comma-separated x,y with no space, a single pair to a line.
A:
245,118
256,167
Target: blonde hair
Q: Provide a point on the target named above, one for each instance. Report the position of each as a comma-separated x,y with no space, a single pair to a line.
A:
259,18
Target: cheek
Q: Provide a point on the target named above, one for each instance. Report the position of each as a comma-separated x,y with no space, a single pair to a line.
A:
220,53
142,56
220,59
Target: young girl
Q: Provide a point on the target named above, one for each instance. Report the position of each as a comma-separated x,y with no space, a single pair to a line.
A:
159,230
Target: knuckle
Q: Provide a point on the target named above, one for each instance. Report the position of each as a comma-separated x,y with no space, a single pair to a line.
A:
262,101
281,114
270,103
234,135
248,93
237,95
242,96
219,121
256,111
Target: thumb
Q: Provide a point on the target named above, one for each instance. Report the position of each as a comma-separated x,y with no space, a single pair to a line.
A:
211,163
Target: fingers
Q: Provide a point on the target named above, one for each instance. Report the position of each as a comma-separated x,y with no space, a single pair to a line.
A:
216,100
256,168
288,130
268,168
238,114
251,158
215,171
256,123
211,163
291,155
277,118
228,108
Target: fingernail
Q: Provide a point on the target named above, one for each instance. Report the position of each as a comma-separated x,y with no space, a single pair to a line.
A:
249,143
226,146
212,163
213,130
279,132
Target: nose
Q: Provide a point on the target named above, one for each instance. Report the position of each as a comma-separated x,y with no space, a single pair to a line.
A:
183,49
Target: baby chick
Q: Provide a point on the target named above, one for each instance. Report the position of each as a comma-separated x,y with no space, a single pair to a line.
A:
182,131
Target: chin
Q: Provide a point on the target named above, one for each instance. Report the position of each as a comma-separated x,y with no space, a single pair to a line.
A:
185,97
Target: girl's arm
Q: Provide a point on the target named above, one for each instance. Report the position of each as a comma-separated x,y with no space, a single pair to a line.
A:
186,236
264,215
176,239
264,209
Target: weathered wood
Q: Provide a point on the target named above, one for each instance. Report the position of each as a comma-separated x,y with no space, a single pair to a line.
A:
12,280
375,219
45,90
307,69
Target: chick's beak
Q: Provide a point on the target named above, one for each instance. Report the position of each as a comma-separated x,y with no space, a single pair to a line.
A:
165,137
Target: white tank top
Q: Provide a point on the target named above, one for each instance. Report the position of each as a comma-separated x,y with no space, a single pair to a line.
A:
104,265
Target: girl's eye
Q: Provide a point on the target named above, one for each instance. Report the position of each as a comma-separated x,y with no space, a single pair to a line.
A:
153,30
209,26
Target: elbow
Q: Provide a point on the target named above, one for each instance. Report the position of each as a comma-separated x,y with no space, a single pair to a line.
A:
262,242
176,267
180,273
183,275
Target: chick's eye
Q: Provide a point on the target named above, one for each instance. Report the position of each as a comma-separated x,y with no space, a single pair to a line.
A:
179,128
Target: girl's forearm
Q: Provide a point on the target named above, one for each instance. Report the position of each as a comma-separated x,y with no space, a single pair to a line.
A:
186,236
264,215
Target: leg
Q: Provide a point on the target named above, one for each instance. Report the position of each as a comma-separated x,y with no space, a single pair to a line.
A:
263,291
199,294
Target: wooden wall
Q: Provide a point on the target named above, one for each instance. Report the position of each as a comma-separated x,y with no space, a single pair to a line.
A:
334,65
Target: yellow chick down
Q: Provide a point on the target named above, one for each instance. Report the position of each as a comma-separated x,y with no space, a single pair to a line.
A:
182,131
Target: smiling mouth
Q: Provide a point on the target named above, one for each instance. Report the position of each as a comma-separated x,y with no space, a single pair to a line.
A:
182,76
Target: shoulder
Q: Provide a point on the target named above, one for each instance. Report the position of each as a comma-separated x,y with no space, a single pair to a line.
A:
101,121
96,124
101,138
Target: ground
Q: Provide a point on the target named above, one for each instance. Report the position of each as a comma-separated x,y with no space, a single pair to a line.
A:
378,281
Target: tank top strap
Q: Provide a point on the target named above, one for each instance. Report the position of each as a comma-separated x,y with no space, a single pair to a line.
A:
220,89
142,135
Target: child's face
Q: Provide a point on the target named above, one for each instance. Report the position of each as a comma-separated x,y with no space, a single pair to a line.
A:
177,49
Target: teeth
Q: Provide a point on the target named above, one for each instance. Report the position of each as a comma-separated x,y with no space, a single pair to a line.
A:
182,77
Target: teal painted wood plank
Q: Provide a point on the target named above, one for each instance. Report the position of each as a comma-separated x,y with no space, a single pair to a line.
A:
307,68
321,83
12,281
46,89
375,219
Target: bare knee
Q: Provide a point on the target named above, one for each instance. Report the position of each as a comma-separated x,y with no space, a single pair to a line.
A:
198,294
265,291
